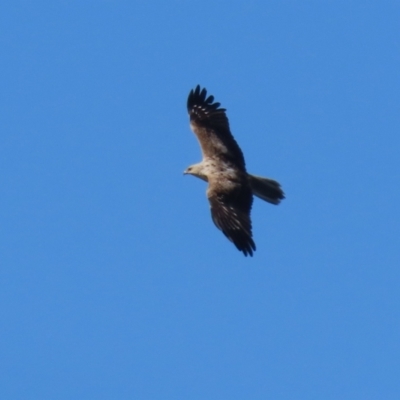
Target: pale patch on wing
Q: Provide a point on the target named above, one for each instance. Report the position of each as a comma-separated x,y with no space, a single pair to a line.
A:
219,145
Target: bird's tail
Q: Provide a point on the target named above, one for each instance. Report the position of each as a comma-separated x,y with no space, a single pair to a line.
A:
266,189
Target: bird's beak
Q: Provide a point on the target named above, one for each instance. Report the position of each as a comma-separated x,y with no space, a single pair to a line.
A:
185,172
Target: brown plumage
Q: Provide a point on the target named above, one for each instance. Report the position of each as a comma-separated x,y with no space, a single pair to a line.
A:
230,188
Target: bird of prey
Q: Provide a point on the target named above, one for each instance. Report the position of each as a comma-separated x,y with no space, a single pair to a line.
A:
230,188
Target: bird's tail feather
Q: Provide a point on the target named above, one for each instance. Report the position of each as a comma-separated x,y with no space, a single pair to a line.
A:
266,189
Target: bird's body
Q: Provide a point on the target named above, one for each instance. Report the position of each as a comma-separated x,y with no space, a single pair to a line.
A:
230,188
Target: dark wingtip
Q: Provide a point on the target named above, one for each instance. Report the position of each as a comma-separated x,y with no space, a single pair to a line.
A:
198,97
245,244
249,248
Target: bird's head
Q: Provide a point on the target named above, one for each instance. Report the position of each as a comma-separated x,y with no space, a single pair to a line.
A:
196,170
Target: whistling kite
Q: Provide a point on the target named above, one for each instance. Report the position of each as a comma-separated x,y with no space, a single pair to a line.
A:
230,188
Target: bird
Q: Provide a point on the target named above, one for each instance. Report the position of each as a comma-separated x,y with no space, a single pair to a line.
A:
230,188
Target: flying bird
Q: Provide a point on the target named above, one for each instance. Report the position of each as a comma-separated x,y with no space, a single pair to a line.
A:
230,188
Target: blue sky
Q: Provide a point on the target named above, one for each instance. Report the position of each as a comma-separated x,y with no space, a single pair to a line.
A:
114,282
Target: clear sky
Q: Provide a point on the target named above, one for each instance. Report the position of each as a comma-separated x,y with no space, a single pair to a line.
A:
114,282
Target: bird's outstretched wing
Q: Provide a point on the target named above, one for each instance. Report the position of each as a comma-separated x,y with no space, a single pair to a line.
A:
231,214
211,126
